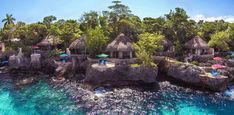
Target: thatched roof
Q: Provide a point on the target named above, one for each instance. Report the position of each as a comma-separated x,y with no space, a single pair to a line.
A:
44,42
78,43
196,43
121,43
167,43
50,40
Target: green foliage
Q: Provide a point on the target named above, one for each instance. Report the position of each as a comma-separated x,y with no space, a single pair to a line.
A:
96,41
195,63
146,46
175,26
8,20
229,57
48,20
54,53
69,31
220,40
179,28
135,65
206,29
153,25
119,9
89,20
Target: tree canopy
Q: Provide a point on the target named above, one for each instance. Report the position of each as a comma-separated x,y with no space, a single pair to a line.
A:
101,28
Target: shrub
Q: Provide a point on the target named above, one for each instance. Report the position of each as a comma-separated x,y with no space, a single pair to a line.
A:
195,63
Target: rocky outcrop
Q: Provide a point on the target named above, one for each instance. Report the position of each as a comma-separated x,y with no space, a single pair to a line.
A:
120,74
63,69
193,74
230,63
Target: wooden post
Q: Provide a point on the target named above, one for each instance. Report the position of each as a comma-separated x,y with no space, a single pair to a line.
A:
120,54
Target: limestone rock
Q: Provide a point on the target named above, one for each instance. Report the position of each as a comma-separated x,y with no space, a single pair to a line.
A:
196,75
120,74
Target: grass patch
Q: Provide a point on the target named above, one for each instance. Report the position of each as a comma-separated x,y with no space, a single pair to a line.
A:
135,65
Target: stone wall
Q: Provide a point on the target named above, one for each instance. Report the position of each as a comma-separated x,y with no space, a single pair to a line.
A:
203,58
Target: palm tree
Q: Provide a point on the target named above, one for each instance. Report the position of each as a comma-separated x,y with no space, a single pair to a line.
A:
8,20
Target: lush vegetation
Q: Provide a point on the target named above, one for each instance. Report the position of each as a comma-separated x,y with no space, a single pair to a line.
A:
102,28
147,45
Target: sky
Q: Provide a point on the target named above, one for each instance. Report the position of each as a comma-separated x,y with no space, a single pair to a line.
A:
30,11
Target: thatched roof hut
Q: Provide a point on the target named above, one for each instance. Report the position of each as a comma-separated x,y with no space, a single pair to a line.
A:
50,40
121,47
44,42
121,43
78,46
196,43
78,43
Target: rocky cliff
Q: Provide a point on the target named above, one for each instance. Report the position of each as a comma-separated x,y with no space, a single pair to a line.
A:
120,74
193,74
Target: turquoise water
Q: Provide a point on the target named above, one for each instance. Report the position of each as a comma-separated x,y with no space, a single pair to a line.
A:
69,99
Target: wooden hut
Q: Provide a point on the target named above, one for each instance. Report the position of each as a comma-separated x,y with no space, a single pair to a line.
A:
48,42
121,48
197,46
45,44
78,46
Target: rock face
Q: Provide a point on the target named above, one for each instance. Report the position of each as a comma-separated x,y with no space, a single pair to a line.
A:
120,74
194,75
230,63
63,69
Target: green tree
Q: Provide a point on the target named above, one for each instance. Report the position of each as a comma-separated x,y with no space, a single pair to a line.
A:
35,32
230,30
8,20
69,31
179,28
154,25
147,45
131,27
48,20
96,41
89,20
119,9
117,13
220,41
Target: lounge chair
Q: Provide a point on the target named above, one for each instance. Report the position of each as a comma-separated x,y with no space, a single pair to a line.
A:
99,62
214,73
104,62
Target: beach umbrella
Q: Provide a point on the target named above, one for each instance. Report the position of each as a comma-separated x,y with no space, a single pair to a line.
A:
63,55
35,47
217,58
102,55
217,66
232,52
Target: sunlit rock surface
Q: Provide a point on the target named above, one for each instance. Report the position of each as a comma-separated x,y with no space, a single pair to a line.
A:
193,74
119,74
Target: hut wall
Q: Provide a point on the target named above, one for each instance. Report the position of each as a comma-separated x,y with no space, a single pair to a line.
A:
120,55
131,55
36,60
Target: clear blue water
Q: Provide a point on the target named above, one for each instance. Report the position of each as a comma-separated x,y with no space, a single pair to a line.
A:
69,99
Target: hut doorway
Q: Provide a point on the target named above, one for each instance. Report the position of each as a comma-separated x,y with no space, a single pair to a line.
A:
126,55
115,54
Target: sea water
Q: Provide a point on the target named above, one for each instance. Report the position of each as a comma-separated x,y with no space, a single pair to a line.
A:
44,98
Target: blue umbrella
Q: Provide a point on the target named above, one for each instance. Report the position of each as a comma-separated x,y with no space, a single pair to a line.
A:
63,55
232,52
